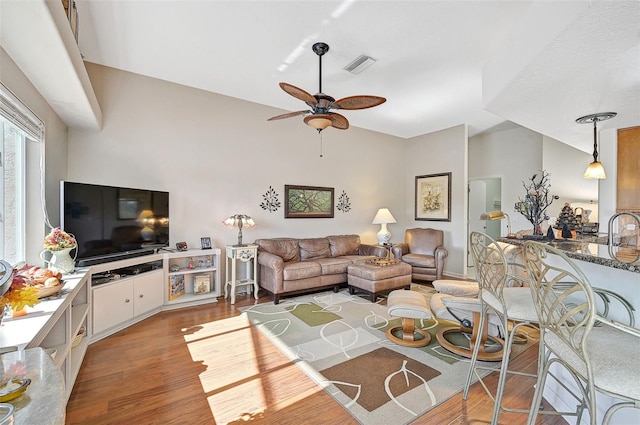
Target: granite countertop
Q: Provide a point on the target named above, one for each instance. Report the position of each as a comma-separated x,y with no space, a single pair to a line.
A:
44,400
624,258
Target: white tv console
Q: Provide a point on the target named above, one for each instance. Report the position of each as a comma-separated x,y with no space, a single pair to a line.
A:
143,289
84,313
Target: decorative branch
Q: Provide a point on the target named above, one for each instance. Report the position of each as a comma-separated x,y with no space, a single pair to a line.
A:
270,201
343,203
536,200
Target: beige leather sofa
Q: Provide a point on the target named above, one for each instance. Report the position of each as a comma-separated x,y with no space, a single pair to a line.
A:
289,266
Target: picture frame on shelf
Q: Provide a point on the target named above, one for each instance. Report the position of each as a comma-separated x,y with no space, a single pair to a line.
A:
181,246
176,286
308,202
433,197
205,243
201,284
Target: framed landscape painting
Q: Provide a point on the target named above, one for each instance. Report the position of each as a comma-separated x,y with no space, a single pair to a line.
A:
433,197
308,202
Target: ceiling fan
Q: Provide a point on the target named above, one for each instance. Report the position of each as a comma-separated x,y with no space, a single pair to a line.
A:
321,104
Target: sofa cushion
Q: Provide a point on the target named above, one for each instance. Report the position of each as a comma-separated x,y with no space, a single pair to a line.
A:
314,248
301,270
344,245
286,248
419,260
333,265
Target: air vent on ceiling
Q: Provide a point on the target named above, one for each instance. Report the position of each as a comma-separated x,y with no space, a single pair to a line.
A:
361,63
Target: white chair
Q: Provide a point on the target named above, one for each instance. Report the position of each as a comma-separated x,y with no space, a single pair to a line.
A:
504,293
600,354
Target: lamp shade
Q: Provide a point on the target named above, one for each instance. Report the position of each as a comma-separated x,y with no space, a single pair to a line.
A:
318,121
240,221
383,216
595,170
492,215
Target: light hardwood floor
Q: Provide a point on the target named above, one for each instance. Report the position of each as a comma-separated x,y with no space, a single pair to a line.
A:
157,372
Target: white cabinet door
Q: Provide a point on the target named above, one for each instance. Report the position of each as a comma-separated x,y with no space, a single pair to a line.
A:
148,292
112,305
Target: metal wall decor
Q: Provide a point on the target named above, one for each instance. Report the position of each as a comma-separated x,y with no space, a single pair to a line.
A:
270,201
343,203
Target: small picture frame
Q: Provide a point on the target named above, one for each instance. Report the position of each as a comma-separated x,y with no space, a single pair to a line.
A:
181,246
205,243
201,284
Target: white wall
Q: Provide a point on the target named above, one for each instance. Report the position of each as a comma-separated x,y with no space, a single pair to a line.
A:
55,153
517,153
440,152
218,155
566,166
514,155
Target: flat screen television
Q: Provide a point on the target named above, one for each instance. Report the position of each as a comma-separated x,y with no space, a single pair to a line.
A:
112,223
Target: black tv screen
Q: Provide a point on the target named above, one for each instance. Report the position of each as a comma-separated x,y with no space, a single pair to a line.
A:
111,223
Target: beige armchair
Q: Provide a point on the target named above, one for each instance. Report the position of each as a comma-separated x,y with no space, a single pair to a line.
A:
423,249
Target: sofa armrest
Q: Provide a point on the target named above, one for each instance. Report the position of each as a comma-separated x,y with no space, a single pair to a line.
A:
271,261
375,250
400,249
271,272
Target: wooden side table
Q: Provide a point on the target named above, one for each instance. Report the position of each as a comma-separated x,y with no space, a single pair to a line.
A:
248,255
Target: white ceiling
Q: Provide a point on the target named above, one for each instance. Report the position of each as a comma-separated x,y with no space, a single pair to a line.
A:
540,64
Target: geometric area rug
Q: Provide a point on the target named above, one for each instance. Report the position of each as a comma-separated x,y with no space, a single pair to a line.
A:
339,341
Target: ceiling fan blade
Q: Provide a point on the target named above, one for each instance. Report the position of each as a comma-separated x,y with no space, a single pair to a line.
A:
338,121
289,115
298,93
359,102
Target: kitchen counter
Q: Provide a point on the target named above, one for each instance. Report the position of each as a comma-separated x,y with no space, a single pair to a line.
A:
44,402
623,258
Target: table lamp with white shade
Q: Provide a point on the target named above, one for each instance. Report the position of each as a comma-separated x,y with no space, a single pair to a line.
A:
383,217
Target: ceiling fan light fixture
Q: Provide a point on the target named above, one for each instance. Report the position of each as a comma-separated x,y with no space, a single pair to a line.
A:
318,121
361,63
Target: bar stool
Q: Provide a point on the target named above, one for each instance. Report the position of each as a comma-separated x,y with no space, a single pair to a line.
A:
601,355
512,305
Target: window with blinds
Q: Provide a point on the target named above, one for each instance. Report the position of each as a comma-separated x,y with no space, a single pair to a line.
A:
18,124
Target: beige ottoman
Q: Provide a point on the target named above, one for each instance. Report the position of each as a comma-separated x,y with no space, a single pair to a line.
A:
375,280
409,305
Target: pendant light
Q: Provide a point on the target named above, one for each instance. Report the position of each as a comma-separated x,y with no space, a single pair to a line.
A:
595,170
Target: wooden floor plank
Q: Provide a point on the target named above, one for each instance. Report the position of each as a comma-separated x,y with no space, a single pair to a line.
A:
206,365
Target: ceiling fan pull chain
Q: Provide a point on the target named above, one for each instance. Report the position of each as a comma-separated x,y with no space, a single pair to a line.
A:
320,132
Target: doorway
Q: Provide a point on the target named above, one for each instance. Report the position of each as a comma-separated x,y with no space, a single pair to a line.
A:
485,194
